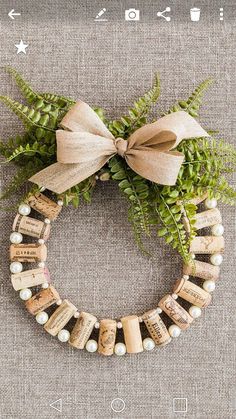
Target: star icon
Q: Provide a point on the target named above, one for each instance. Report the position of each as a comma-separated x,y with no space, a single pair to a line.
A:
21,47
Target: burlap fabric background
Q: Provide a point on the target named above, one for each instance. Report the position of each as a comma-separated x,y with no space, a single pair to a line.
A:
92,255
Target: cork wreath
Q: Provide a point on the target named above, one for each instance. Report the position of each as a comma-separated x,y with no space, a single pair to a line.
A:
169,169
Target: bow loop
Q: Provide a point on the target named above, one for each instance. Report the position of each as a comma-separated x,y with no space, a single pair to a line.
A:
85,146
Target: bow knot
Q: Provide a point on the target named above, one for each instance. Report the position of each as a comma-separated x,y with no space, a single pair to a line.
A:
121,146
86,145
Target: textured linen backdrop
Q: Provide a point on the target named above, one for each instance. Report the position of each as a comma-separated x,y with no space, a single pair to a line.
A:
92,255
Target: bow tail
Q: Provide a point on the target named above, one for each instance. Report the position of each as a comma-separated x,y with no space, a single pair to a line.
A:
59,177
156,166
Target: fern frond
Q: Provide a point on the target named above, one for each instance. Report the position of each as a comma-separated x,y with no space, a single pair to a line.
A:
192,104
22,175
57,100
26,90
30,117
172,230
137,114
136,189
82,190
8,147
31,150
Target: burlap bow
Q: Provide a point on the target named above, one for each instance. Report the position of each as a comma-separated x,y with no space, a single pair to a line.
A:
85,145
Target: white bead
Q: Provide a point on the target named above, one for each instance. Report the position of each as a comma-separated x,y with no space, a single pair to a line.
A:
210,203
16,267
174,331
42,317
91,345
24,209
120,349
193,256
63,335
76,315
209,286
58,302
45,285
41,241
42,189
148,344
60,202
217,230
159,310
119,325
16,238
41,264
140,319
186,277
25,294
97,325
216,259
195,312
47,221
175,296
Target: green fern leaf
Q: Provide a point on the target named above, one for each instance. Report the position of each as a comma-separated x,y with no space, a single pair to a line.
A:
57,100
192,104
24,87
30,117
138,114
136,189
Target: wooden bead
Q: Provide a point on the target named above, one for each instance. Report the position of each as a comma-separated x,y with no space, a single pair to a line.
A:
202,270
31,227
207,245
44,206
60,317
156,328
207,218
175,311
28,252
42,300
82,330
107,337
192,293
30,278
132,334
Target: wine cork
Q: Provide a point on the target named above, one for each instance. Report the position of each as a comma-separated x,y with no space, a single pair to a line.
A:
132,334
192,293
207,218
60,317
195,201
28,252
30,278
207,245
107,337
44,206
199,199
202,270
82,330
156,328
31,227
175,311
42,300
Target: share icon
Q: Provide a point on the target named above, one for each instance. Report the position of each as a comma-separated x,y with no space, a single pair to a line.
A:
161,14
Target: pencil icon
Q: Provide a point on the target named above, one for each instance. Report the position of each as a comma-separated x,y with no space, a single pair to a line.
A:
101,13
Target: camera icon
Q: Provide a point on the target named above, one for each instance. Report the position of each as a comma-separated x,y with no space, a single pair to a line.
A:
132,14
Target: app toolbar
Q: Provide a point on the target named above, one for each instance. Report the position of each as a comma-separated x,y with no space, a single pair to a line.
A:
135,15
